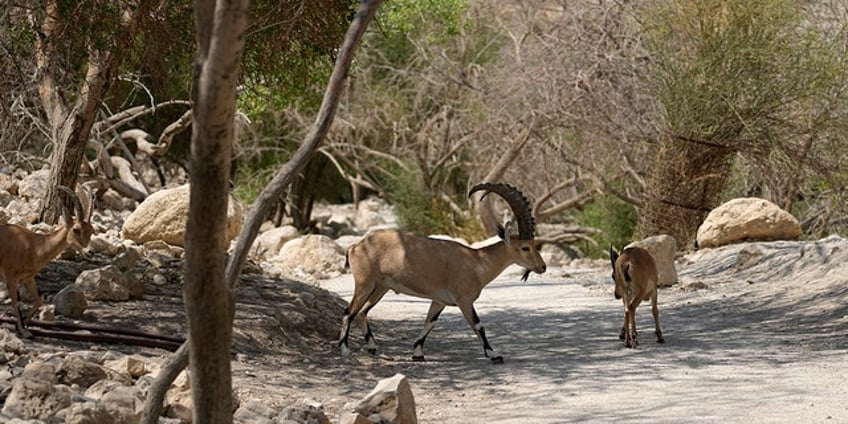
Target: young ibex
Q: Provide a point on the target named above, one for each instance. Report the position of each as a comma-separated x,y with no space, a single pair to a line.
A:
635,276
24,253
446,272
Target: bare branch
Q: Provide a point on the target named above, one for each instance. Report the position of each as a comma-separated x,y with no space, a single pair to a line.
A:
171,131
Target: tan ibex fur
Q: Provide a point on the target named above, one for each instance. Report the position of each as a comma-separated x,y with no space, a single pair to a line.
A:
446,272
635,276
24,253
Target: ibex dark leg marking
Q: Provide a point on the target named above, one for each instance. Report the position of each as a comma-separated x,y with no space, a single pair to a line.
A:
474,320
656,312
356,305
433,313
362,317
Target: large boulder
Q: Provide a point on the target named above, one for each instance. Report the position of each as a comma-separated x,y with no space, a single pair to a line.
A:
8,183
123,404
109,283
128,366
316,255
74,370
10,345
70,302
747,219
34,185
663,248
269,243
391,402
23,212
305,411
254,412
374,213
163,215
35,394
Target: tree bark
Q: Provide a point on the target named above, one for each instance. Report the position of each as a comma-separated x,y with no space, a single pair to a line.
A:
686,184
313,140
303,192
72,125
208,299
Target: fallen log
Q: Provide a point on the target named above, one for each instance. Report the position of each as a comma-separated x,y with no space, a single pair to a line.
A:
98,334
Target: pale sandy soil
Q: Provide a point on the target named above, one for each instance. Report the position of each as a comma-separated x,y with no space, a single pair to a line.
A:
755,333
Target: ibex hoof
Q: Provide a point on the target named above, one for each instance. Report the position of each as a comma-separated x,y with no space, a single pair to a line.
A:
344,351
418,358
660,339
497,360
371,350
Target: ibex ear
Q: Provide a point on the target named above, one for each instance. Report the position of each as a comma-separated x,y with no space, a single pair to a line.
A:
503,234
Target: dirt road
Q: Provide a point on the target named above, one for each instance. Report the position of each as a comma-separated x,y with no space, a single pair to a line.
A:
763,342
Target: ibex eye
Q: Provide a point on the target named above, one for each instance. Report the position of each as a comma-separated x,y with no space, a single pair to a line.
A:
525,248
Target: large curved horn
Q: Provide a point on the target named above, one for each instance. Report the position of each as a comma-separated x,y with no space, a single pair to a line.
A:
517,202
77,204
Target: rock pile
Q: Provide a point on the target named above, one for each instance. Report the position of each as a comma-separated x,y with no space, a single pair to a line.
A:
106,387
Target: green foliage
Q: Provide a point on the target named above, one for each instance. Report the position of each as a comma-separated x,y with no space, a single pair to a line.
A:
288,61
752,77
421,211
442,18
617,219
409,99
253,173
433,22
287,64
726,70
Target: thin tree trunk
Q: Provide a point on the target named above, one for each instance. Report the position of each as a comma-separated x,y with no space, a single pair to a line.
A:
686,184
303,192
274,189
208,299
72,126
69,147
313,140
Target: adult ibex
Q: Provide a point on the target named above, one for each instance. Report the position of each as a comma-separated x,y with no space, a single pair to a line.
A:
635,276
24,253
447,272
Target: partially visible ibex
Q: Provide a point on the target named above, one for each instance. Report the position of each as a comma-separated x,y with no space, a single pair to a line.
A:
635,276
447,272
24,253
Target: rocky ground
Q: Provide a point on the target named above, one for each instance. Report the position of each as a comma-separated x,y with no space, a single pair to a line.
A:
755,332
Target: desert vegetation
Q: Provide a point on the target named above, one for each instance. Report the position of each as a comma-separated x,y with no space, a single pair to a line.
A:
617,119
654,109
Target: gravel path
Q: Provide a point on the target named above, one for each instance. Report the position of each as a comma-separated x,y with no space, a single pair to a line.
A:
746,341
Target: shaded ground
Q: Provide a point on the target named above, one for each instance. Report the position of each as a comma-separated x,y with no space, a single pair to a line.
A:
754,332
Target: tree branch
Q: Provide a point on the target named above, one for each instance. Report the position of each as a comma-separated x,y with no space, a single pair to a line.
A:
272,191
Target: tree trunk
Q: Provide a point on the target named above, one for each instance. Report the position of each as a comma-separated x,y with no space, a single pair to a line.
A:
303,192
69,147
367,9
72,126
208,299
686,185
